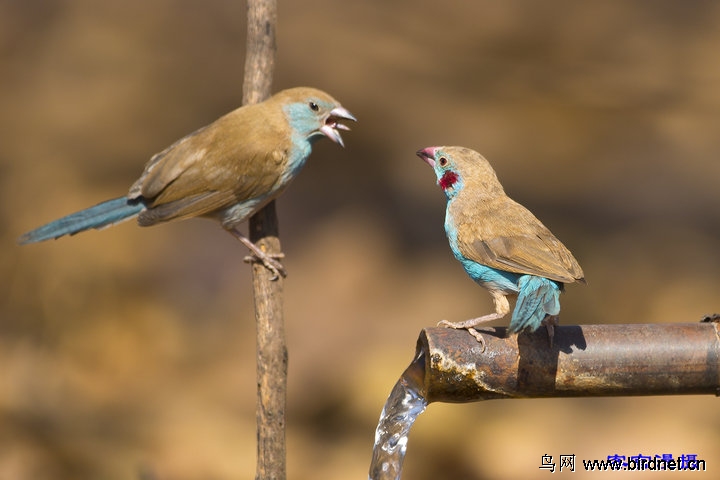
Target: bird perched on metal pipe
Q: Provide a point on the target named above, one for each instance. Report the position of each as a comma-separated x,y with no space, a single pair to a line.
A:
227,170
501,245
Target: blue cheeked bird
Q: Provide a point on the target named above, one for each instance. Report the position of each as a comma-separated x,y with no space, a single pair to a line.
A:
501,245
227,170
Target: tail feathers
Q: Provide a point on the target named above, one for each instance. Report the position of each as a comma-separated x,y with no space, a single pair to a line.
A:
100,216
537,298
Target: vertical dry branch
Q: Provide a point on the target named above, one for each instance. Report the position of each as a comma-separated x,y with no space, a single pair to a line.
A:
263,230
260,50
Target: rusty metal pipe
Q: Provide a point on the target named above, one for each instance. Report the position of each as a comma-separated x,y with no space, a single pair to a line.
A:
584,361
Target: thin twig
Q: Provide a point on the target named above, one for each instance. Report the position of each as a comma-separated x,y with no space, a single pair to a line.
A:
263,230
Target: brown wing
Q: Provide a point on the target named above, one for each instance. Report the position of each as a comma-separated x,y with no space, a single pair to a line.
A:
503,234
236,158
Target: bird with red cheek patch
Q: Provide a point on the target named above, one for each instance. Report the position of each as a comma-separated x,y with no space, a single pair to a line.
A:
501,245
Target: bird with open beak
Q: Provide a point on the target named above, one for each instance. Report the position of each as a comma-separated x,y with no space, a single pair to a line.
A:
227,170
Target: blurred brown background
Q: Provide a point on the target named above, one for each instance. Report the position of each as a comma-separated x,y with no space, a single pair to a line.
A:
129,353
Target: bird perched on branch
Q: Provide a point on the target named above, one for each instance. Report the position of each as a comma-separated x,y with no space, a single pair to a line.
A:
227,170
501,245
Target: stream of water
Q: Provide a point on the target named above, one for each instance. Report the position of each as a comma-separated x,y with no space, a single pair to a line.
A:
405,403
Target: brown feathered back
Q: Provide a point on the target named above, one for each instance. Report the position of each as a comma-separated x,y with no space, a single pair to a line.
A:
494,230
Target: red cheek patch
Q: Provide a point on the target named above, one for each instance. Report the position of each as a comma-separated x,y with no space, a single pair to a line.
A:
448,180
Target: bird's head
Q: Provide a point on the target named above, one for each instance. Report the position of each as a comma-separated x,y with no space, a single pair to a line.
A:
459,166
313,113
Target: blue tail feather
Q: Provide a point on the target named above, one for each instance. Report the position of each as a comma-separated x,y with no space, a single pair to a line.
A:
537,298
101,215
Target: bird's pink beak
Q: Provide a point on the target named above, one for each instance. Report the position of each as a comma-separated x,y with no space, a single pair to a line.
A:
428,154
332,124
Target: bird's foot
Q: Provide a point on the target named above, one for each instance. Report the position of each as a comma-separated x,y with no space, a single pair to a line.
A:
473,322
459,326
470,325
478,337
270,261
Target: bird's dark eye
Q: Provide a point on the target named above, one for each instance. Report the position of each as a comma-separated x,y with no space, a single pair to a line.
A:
314,106
443,161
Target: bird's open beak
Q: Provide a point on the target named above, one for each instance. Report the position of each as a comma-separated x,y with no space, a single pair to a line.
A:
427,154
332,125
